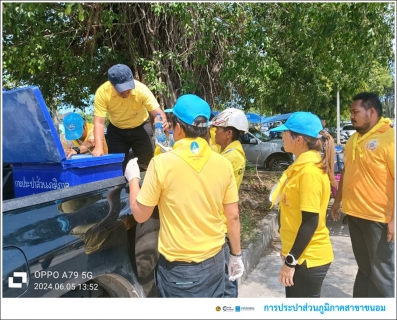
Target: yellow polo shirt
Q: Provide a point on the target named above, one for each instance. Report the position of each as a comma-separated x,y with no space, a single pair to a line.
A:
235,154
214,146
190,184
127,112
157,151
306,189
68,144
368,181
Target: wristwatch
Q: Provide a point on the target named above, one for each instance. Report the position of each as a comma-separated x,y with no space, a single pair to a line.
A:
77,149
290,261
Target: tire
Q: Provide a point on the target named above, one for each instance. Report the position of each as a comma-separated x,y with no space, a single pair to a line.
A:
107,286
278,163
117,286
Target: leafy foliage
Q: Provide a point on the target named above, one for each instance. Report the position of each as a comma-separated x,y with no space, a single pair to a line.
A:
265,57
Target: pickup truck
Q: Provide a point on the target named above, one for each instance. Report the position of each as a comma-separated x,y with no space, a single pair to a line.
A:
80,241
67,226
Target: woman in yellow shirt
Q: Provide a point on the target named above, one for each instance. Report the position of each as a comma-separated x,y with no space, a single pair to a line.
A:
304,192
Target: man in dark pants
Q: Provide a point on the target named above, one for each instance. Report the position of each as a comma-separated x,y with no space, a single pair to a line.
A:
367,189
191,237
374,256
128,103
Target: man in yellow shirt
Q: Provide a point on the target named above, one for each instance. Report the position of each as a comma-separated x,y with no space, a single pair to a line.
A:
191,186
128,103
366,191
79,136
229,124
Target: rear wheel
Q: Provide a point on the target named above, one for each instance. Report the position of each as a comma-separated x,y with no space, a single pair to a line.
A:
278,163
106,286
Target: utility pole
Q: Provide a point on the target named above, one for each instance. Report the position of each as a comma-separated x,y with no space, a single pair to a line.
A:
337,118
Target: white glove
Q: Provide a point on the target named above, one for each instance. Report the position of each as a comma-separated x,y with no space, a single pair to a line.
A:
132,170
235,267
163,148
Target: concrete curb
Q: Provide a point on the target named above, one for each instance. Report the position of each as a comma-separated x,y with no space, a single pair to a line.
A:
253,253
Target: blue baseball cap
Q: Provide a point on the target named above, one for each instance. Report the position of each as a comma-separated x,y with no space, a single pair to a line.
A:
74,126
302,122
188,107
120,76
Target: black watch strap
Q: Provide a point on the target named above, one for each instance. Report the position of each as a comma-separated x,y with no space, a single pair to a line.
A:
289,265
290,261
77,149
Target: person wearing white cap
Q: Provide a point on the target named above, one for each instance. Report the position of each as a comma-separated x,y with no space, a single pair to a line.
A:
79,136
191,184
303,192
229,124
128,103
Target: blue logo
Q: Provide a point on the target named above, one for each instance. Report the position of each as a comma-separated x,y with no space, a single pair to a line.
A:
194,147
238,309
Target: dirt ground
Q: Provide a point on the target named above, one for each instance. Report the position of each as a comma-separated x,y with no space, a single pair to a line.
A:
254,201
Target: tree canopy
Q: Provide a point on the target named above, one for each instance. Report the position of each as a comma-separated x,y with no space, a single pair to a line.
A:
264,57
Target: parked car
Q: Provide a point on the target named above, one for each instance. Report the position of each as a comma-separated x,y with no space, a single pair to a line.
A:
261,151
343,136
347,130
266,133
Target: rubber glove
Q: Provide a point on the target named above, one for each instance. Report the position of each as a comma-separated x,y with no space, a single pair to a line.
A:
235,267
132,170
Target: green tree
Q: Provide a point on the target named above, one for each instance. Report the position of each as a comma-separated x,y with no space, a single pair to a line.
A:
268,57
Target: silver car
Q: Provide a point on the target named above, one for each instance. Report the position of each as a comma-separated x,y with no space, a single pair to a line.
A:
263,152
347,130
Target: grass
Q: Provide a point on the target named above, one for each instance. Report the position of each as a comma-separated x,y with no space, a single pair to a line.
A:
254,202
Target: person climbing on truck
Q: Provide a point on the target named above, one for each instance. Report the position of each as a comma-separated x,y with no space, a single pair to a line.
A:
79,136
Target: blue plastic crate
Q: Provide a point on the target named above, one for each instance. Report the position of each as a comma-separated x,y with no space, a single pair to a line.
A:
36,178
32,145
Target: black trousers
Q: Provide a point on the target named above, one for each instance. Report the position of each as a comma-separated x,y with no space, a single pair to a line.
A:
374,256
307,281
139,139
179,279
